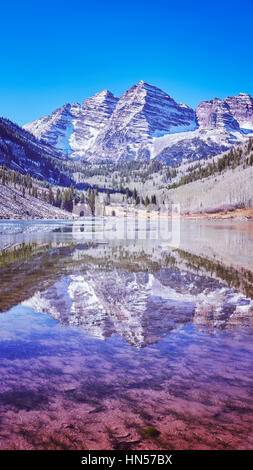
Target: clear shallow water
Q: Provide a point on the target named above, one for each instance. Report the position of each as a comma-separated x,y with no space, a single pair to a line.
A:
125,345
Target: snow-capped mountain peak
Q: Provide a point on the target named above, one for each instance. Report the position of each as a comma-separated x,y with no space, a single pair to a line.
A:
216,114
56,128
72,127
144,123
142,112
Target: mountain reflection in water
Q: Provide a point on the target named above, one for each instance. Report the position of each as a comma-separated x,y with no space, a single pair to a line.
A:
124,345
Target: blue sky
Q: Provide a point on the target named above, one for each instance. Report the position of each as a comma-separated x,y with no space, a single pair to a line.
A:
53,52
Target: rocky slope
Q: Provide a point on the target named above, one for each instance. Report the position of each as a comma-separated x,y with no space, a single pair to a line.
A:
15,206
142,113
221,124
219,183
56,128
241,108
22,151
225,191
146,123
73,127
93,116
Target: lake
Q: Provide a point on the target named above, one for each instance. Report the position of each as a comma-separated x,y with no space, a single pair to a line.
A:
118,339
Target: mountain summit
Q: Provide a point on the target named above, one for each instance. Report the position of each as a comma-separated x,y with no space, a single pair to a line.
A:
142,112
72,127
145,123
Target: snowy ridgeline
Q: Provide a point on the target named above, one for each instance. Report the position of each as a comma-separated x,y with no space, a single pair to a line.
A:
146,123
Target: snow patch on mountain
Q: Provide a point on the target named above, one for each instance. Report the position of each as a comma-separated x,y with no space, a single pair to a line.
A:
73,127
211,141
57,128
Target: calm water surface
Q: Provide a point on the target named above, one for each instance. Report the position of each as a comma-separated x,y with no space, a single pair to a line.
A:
113,344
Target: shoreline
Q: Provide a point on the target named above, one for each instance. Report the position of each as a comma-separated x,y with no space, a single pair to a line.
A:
121,212
238,214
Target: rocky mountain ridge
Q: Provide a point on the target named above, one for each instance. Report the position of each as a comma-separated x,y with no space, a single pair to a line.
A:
73,127
146,123
233,113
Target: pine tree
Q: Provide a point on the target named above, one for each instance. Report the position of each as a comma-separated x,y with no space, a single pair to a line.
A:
91,201
50,196
147,201
3,176
82,198
58,198
153,199
67,201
